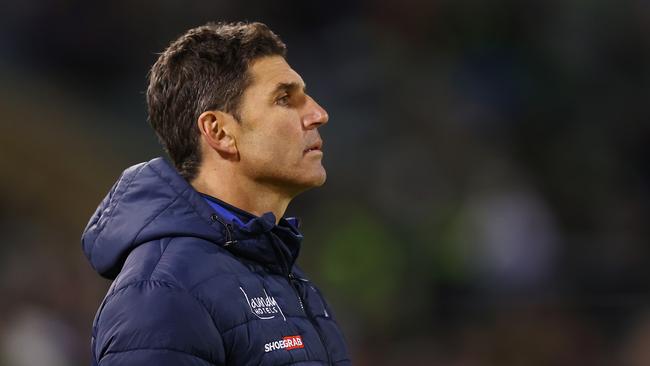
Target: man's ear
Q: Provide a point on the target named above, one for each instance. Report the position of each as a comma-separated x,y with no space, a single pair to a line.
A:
216,129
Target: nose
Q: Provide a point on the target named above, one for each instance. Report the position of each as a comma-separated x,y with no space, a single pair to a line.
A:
315,115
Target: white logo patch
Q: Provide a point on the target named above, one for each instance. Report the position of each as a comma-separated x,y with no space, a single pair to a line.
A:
264,307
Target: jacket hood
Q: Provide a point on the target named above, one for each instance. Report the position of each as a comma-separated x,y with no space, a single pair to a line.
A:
152,201
149,201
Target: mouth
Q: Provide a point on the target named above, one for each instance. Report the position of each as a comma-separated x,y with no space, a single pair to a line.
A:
316,146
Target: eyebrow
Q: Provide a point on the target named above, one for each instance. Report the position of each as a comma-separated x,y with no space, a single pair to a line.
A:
287,87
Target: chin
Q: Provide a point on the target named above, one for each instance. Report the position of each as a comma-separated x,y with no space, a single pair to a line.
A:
318,183
313,181
321,178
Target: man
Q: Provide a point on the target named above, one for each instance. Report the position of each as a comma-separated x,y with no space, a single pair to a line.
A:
202,259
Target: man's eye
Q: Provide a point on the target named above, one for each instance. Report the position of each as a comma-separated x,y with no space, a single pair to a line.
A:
283,100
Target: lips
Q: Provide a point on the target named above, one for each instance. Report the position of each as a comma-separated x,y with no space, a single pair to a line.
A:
316,146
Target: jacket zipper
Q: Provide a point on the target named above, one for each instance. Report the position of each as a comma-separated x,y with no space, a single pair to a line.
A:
307,312
291,278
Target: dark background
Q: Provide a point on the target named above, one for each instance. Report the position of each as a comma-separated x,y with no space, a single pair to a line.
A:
488,187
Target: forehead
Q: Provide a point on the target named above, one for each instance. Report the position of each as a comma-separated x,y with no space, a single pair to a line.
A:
268,72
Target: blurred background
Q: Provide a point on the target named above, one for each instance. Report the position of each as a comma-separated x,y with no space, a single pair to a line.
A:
488,188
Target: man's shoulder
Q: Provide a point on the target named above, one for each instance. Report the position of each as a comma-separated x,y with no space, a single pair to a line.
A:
183,262
192,269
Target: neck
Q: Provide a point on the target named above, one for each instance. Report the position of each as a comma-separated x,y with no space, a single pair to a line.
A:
247,195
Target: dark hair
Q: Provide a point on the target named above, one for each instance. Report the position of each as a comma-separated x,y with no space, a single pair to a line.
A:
204,69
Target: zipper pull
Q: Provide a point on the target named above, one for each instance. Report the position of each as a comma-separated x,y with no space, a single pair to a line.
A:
322,301
292,278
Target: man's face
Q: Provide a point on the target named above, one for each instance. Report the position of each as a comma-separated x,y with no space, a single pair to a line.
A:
278,140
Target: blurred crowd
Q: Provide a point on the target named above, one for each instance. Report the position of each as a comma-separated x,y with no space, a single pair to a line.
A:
488,188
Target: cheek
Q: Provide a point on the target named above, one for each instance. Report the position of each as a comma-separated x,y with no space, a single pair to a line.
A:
275,137
273,146
283,138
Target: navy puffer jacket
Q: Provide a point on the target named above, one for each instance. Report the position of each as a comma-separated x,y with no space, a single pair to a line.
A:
192,289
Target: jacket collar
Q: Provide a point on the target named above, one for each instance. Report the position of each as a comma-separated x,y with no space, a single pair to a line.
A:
151,201
258,238
261,240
